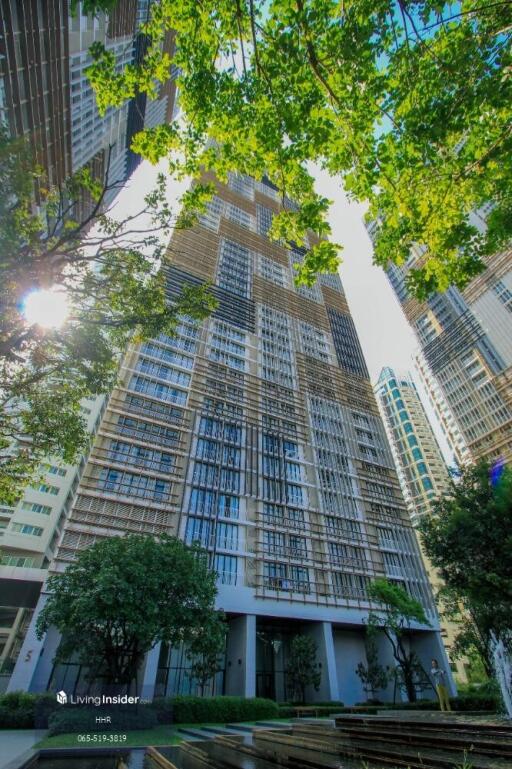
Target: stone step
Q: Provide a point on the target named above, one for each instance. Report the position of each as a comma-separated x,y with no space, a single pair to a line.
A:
367,734
410,757
480,748
242,728
444,721
215,730
195,732
274,724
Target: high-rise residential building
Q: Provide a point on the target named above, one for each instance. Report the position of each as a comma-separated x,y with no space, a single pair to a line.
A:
256,434
45,95
445,418
466,341
422,471
29,533
421,468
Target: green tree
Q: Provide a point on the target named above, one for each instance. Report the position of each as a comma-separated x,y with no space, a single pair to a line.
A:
373,675
473,625
110,272
409,102
469,539
206,655
302,668
125,594
397,611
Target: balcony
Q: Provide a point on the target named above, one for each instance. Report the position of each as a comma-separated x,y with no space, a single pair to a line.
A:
350,593
290,585
140,463
128,491
290,523
352,563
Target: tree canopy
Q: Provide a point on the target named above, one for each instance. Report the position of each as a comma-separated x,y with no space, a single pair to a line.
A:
409,102
109,270
469,539
125,594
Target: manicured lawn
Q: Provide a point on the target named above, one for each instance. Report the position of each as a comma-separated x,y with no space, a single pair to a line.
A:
161,735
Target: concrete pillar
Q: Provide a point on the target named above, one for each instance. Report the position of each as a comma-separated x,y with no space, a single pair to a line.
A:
35,661
386,659
241,657
321,632
349,649
147,691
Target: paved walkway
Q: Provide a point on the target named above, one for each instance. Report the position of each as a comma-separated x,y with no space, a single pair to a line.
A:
17,742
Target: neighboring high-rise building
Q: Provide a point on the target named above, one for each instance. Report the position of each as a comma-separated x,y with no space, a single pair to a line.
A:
466,341
45,95
258,435
421,469
445,418
29,533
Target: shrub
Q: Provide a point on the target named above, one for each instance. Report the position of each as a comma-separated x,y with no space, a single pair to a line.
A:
195,710
19,710
464,703
323,710
84,720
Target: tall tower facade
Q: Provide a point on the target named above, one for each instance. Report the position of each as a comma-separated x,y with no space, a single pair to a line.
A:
421,469
256,434
445,418
466,342
45,95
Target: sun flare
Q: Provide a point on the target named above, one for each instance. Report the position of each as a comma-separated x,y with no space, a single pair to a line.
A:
48,308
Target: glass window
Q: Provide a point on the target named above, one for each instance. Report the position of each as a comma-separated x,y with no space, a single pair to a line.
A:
198,530
226,568
228,506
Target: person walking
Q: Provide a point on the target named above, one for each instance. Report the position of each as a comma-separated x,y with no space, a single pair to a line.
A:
439,678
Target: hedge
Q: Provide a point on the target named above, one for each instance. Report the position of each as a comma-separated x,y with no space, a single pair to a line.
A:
19,710
466,703
324,710
195,710
461,704
83,719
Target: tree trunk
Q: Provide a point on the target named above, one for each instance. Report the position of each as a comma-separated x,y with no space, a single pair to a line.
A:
409,684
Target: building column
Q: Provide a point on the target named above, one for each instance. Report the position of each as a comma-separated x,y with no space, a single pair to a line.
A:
147,691
35,661
241,657
321,632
